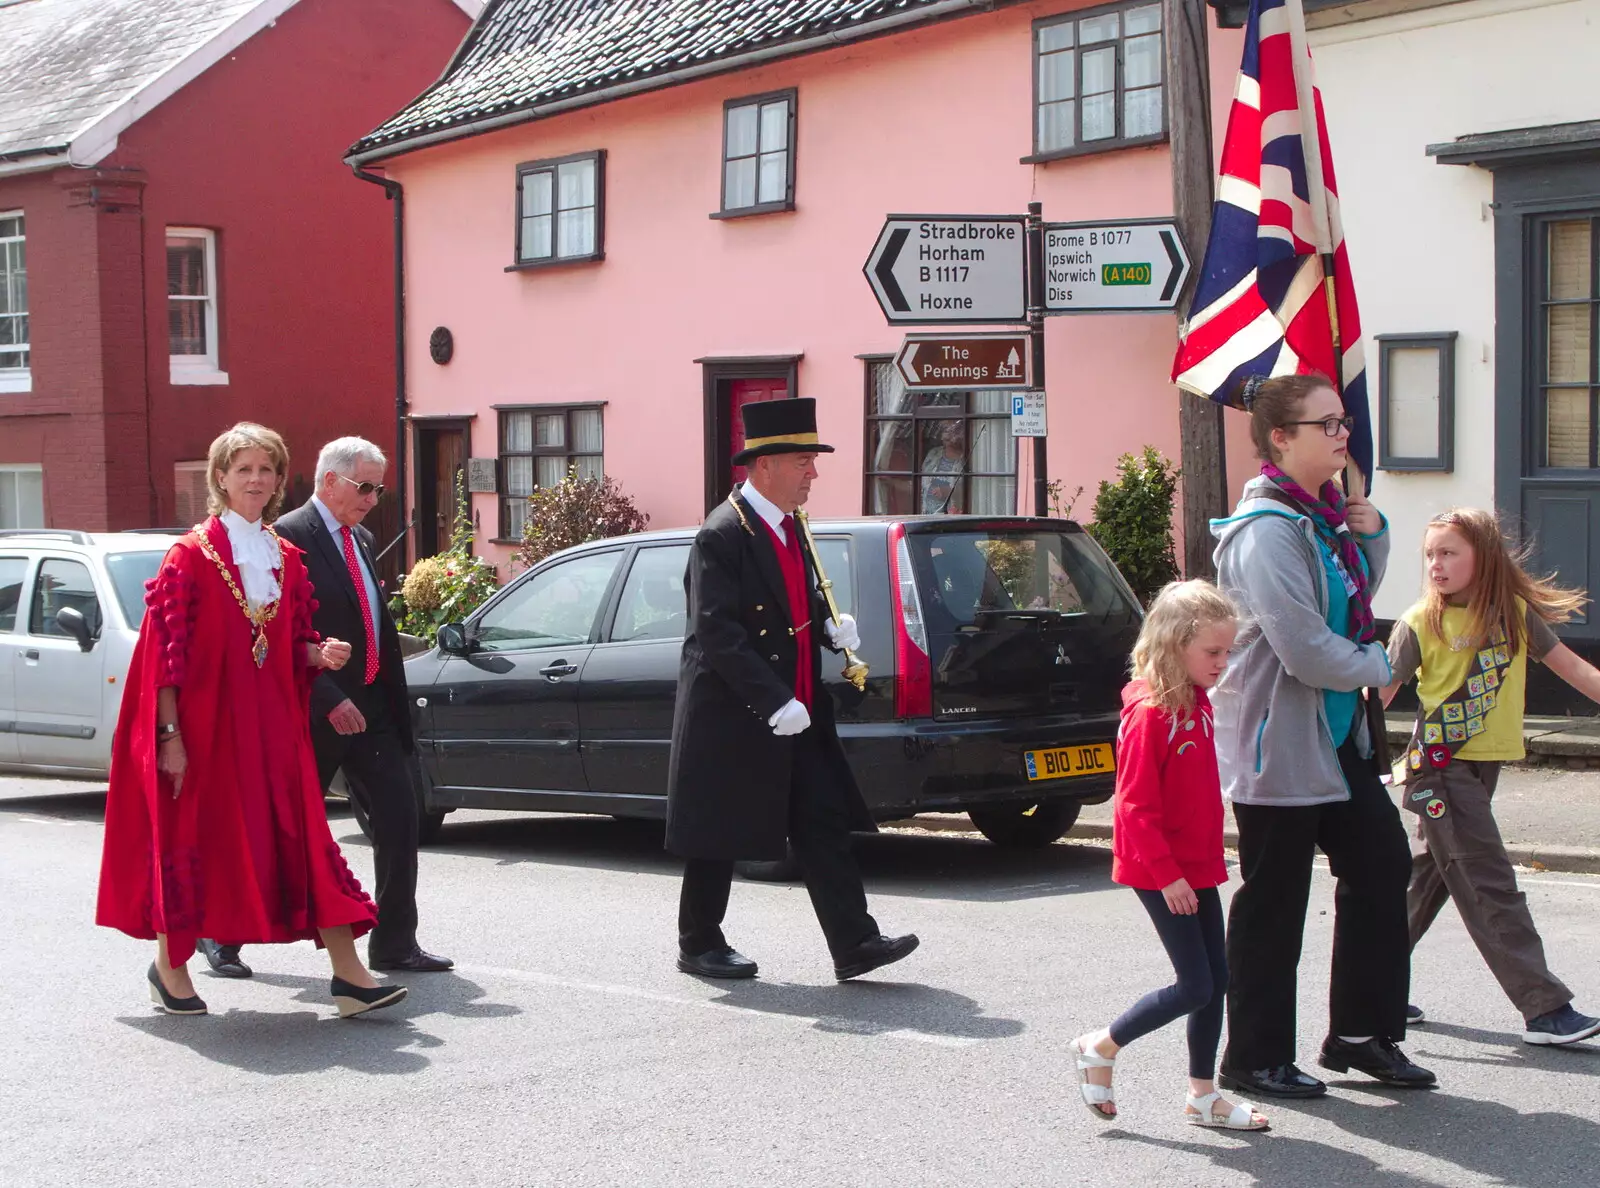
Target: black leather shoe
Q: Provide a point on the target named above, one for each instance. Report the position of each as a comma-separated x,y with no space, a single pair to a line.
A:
1378,1058
358,1000
726,962
193,1005
416,961
871,954
1283,1080
223,959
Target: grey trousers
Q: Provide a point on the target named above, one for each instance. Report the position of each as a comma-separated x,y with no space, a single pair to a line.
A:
1461,857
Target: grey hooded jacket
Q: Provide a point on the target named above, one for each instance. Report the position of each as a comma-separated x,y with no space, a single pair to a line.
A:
1274,745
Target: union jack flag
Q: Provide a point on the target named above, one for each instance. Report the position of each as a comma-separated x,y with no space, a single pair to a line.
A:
1260,305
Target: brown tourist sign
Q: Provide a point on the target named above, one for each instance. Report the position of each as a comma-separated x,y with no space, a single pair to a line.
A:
955,361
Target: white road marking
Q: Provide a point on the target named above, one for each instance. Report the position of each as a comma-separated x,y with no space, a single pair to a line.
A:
619,991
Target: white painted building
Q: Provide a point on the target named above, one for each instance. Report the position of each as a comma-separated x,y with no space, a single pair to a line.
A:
1467,141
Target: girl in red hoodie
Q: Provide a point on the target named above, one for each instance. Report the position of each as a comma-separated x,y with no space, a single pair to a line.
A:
1167,844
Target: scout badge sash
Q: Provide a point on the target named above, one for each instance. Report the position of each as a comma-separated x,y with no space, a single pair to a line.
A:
1454,722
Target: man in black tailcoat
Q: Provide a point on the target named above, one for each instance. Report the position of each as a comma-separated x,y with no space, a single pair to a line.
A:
756,763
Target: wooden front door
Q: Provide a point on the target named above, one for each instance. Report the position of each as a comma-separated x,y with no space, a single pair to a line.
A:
441,460
740,393
1548,453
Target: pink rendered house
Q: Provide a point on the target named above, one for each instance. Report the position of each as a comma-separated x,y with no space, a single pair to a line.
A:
624,220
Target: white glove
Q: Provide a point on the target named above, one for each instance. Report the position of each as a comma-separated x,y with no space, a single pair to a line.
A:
791,719
843,634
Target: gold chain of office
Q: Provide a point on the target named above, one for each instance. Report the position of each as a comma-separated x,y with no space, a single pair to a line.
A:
258,618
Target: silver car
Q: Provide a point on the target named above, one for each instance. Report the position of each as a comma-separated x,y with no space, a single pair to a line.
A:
70,608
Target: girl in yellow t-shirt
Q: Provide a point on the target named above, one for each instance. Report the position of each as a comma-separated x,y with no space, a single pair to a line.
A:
1479,596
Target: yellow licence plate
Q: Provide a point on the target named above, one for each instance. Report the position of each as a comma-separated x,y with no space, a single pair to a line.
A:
1057,763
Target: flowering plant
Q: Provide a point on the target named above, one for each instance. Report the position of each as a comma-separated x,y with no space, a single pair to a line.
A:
447,587
573,511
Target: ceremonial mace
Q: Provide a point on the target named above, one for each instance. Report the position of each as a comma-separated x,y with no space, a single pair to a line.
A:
855,669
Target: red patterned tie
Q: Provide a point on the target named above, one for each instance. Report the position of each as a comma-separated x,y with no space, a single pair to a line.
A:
361,597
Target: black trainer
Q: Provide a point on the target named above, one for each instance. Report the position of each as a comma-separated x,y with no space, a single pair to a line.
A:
1563,1026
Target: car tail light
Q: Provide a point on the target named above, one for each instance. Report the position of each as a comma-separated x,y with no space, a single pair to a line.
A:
913,676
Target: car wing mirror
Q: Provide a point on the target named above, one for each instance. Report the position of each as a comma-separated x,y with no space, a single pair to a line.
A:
453,639
70,619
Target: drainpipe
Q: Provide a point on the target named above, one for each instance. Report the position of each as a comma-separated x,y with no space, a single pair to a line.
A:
396,195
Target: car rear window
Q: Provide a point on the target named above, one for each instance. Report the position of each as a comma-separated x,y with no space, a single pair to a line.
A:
129,572
969,574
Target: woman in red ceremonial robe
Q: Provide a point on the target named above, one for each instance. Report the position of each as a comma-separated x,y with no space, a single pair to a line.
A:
214,821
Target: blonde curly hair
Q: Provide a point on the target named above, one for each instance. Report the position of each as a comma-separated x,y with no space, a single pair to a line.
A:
246,435
1176,616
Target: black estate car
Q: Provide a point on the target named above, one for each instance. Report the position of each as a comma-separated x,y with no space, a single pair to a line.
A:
998,648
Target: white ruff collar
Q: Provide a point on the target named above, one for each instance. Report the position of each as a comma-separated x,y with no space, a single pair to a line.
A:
256,553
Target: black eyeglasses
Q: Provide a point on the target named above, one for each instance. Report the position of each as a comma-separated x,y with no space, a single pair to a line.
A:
1330,426
366,489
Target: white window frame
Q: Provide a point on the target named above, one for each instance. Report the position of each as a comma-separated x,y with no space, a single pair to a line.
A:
11,468
206,368
17,379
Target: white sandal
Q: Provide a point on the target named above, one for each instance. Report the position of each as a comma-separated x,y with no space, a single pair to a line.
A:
1243,1116
1094,1096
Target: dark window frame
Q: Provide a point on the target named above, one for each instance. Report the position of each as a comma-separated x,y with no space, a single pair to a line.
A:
1444,342
1079,148
550,165
870,415
1539,303
716,374
792,96
502,414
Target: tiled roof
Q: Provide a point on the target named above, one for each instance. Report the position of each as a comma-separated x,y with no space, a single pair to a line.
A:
523,54
64,64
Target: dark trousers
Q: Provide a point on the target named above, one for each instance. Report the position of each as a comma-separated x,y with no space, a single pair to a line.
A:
819,834
1371,860
380,775
1461,857
1199,958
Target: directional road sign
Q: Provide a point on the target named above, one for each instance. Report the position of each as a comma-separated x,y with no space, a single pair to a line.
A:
950,269
956,361
1131,265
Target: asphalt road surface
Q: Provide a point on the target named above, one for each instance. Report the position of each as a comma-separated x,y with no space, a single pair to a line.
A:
566,1050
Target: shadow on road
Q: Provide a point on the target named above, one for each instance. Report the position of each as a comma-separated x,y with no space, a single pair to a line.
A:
874,1008
61,806
1485,1138
936,866
1510,1053
1494,1140
277,1044
1273,1159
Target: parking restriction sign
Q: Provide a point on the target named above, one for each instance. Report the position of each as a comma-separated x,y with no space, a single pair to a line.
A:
1027,414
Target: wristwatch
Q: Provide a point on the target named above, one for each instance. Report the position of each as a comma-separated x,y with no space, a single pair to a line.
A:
170,730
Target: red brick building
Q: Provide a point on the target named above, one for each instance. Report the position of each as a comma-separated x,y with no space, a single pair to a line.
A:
181,246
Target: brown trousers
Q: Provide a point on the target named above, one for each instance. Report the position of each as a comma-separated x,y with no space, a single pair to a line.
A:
1461,857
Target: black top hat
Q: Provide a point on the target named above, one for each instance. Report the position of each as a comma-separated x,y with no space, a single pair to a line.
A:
779,427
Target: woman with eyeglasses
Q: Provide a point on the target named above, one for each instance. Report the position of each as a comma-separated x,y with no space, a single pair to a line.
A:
215,824
1302,558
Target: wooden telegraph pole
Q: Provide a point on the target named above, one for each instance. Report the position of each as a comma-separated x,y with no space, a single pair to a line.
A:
1202,457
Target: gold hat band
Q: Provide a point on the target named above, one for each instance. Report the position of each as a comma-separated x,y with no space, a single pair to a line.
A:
756,443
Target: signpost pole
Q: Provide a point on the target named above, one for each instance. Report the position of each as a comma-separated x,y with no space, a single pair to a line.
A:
1035,233
1202,457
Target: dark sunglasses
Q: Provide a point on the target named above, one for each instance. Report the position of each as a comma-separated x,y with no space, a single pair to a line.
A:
1330,426
365,489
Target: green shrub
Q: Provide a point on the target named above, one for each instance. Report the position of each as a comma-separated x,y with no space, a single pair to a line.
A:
1133,521
573,511
448,587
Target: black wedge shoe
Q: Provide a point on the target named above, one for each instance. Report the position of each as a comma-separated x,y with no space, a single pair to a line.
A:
193,1005
357,1000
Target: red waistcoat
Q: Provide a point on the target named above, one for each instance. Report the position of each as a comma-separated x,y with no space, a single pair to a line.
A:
794,580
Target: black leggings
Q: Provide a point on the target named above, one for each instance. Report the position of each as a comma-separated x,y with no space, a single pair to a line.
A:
1199,956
